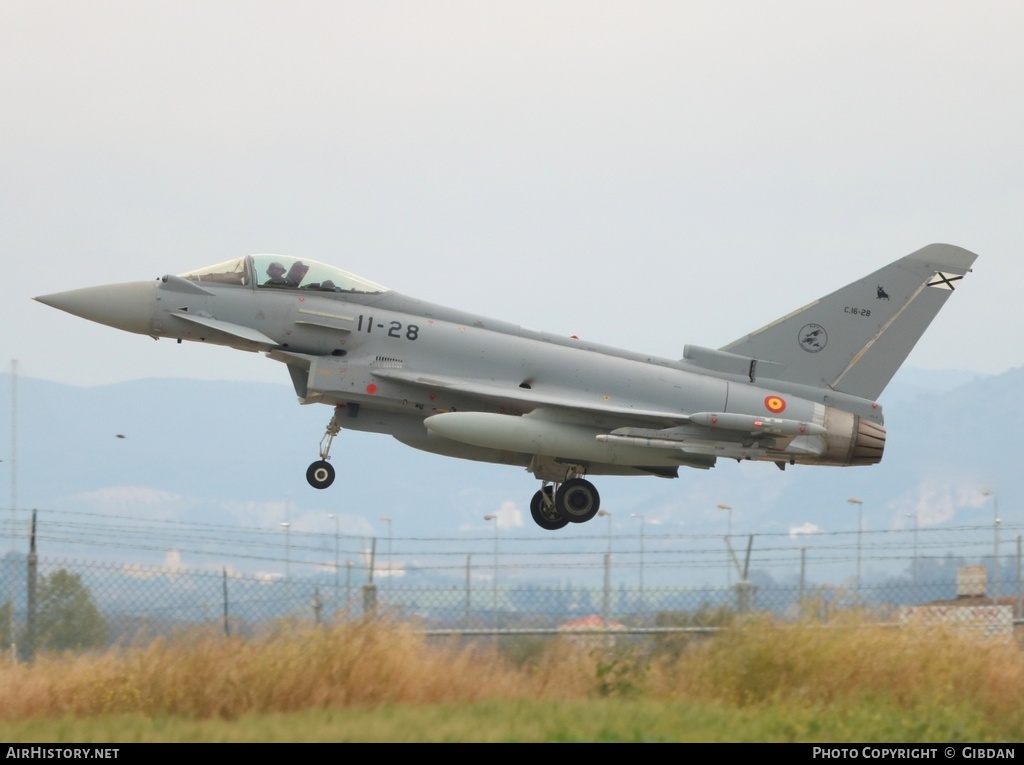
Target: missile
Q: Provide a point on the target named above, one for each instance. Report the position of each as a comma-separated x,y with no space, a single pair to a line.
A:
749,423
690,446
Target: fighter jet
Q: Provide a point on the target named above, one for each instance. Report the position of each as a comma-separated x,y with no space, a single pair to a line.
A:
799,391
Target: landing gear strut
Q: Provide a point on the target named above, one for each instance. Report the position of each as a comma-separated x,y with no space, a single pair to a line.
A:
320,474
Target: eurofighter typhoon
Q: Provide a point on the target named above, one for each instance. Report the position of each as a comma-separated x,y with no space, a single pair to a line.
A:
799,391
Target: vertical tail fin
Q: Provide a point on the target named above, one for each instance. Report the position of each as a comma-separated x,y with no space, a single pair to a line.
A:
855,339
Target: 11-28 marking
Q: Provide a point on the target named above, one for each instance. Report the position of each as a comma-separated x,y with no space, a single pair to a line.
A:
394,328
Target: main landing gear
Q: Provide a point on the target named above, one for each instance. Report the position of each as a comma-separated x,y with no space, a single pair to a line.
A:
320,474
573,501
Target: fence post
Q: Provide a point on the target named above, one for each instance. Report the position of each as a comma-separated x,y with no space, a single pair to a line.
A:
227,629
1018,612
469,588
33,560
803,580
369,599
318,606
348,585
606,603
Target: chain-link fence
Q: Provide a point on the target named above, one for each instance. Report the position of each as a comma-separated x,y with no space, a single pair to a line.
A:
500,583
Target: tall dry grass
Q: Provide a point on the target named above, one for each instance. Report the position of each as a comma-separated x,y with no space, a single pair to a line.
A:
851,661
373,663
296,668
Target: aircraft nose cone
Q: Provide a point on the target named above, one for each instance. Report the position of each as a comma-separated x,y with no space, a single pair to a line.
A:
124,306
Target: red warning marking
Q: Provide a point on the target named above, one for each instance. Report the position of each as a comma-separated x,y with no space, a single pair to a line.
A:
775,404
371,389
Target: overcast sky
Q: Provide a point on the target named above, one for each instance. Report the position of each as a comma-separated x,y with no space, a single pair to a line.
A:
644,174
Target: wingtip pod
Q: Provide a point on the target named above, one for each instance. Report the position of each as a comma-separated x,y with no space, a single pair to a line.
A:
946,257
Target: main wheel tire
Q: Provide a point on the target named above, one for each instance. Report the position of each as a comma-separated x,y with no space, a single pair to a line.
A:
577,499
320,474
545,515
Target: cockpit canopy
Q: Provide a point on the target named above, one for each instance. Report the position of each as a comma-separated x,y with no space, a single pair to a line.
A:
281,272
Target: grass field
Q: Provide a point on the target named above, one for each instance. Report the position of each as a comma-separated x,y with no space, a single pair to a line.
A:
372,681
603,720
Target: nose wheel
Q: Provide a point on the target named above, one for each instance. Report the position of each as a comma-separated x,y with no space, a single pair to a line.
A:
320,474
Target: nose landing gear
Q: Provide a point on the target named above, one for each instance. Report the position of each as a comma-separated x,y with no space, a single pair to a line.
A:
320,474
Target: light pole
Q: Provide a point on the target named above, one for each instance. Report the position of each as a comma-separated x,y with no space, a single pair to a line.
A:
606,514
14,503
641,517
387,520
337,573
606,604
996,520
728,542
860,530
494,582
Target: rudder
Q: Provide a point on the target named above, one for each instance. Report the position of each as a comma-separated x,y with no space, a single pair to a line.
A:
855,339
